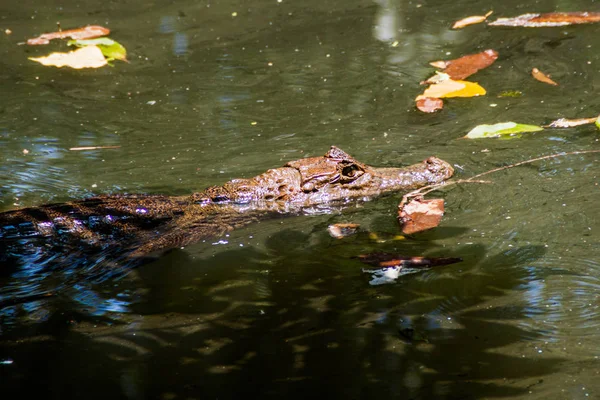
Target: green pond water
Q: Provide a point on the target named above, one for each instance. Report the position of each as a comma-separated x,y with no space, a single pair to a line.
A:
217,90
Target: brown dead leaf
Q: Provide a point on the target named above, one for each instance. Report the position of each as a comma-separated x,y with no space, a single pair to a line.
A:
475,19
548,19
395,260
86,32
569,123
540,76
429,104
465,66
340,231
419,215
85,57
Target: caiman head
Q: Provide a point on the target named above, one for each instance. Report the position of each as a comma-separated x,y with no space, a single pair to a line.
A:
318,181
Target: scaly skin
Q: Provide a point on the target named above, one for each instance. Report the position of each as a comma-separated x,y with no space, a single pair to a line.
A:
119,230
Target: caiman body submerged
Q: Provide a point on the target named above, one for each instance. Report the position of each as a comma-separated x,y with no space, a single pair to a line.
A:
120,230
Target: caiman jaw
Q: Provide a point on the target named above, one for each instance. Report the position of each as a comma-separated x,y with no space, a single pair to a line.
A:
431,171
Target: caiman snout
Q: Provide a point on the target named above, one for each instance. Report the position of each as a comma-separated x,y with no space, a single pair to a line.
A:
439,169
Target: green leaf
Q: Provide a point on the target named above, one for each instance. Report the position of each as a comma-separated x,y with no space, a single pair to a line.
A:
504,128
111,49
598,122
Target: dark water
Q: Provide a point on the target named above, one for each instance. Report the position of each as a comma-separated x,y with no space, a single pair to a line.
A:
217,90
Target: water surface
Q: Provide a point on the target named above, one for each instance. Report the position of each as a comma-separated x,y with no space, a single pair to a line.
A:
226,89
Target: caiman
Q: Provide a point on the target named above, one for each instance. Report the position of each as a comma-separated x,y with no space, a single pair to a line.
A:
104,236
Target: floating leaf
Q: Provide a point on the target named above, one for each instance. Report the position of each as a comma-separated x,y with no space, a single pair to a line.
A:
440,89
420,215
86,32
111,49
475,19
569,123
86,57
540,76
429,104
548,19
504,128
465,66
471,89
451,88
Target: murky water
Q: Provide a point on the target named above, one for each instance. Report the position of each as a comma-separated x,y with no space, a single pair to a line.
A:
217,90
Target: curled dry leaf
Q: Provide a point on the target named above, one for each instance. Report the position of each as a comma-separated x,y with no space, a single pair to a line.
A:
540,76
86,32
548,19
475,19
340,231
429,104
569,123
465,66
85,57
419,215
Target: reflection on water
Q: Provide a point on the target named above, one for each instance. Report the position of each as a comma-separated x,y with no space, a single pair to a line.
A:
210,96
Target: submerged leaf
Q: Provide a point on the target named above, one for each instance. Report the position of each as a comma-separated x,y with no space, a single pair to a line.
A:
420,215
86,57
540,76
548,19
395,260
111,49
511,93
504,128
86,32
340,231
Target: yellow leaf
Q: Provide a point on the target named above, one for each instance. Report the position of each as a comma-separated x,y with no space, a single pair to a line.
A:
471,89
85,57
451,88
441,89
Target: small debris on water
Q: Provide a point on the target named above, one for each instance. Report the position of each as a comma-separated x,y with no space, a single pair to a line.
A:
383,276
340,231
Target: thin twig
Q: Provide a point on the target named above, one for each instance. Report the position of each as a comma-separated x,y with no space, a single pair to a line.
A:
430,188
534,160
93,148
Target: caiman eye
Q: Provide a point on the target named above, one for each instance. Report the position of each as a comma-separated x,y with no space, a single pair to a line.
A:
351,171
220,198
